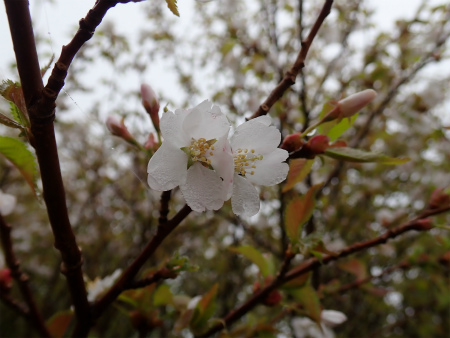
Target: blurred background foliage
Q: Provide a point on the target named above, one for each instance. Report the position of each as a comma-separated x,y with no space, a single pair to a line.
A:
235,54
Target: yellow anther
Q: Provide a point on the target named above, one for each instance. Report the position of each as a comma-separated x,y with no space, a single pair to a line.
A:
212,147
240,151
211,153
252,173
245,151
253,151
253,166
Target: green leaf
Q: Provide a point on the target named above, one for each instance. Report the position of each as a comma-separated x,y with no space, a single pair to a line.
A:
361,156
162,295
172,4
338,129
255,256
309,299
299,211
58,323
298,169
18,153
204,309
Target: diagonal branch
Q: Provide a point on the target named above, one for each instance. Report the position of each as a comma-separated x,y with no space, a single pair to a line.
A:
420,223
125,281
291,74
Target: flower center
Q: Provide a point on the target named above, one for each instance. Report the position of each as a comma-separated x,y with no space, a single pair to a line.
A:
200,151
244,161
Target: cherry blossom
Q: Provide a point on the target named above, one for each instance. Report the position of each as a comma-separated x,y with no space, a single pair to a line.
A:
257,160
195,155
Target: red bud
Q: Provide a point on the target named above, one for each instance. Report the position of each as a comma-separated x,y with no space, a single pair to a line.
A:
318,144
292,142
5,279
439,199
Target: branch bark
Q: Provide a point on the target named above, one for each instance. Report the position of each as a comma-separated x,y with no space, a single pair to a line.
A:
291,74
32,314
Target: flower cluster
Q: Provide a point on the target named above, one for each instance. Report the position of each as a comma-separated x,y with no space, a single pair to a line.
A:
209,168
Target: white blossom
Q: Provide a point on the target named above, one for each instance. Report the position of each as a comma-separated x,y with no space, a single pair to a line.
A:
96,287
195,155
307,328
7,203
257,160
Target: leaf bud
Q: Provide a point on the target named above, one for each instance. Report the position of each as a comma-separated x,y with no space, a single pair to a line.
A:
318,144
151,104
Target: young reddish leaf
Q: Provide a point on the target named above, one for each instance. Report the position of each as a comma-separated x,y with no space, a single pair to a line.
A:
12,92
10,123
355,267
361,156
172,4
298,169
299,211
309,299
255,256
204,309
58,323
18,153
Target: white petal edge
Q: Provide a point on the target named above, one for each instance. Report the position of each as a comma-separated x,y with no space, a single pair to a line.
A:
167,168
245,198
171,125
256,134
206,121
270,170
203,189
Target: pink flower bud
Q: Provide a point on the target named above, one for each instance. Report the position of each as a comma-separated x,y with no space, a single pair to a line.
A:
117,128
292,142
351,105
151,104
151,142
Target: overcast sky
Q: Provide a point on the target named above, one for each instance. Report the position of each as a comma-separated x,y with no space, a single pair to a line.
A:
60,20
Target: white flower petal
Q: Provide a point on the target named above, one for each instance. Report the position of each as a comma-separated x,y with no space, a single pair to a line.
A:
167,168
332,317
206,121
270,170
245,198
203,189
256,134
171,128
222,162
7,203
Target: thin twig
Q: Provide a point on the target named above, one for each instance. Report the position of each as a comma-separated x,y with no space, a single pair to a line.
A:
417,224
127,277
290,76
33,315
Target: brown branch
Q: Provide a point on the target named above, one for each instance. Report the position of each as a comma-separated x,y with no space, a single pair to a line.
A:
86,30
125,281
291,74
32,314
164,207
20,308
418,224
46,151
